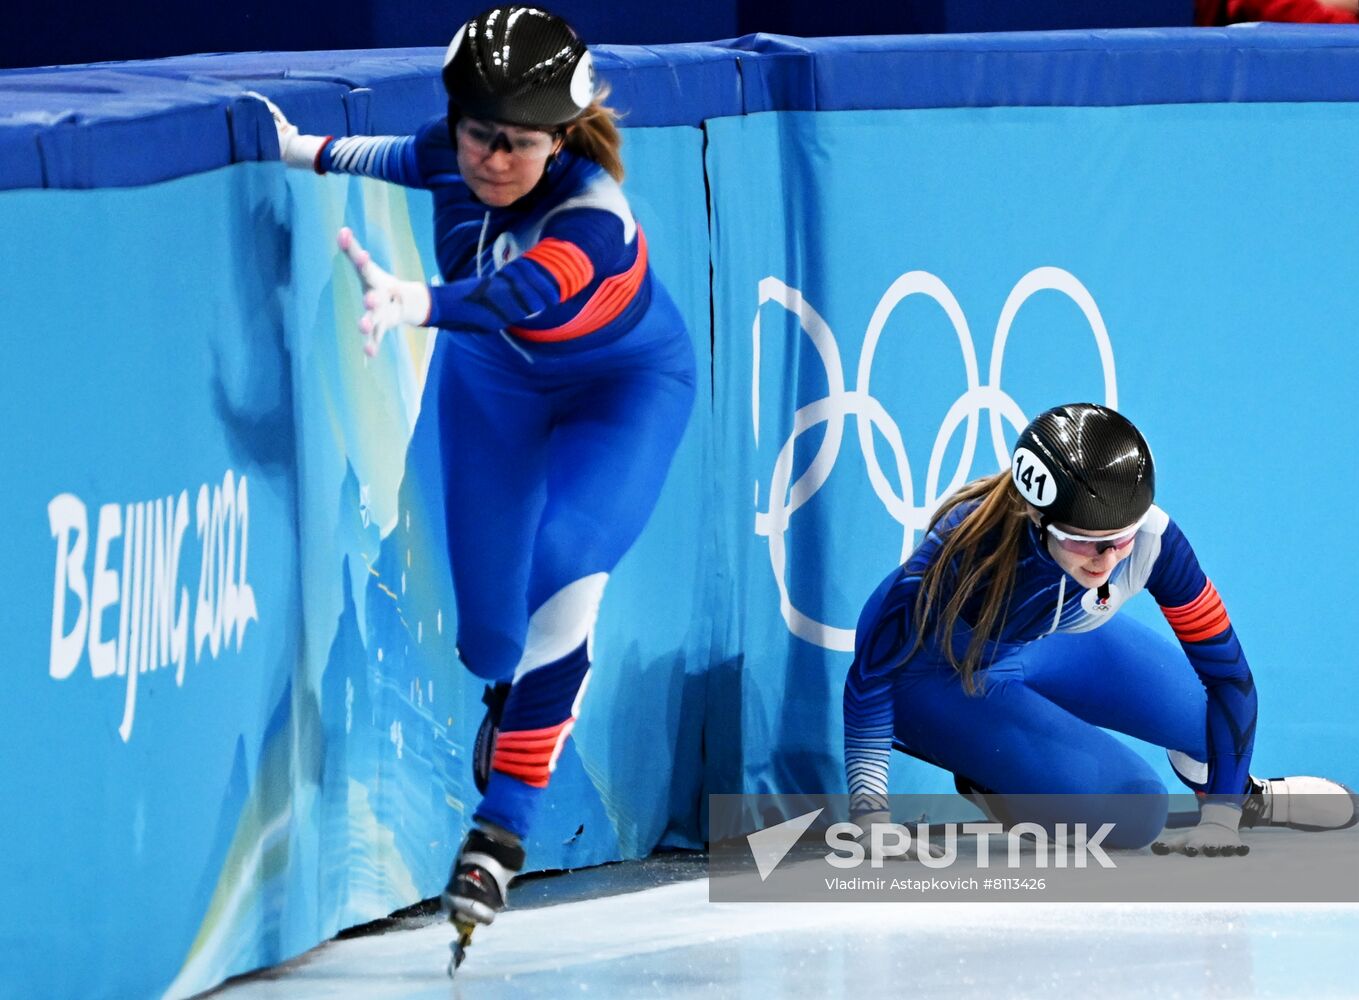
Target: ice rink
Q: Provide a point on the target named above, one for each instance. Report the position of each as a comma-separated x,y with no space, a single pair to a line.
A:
669,941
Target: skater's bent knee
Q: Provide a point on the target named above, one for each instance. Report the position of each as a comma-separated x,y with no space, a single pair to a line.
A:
492,658
1138,814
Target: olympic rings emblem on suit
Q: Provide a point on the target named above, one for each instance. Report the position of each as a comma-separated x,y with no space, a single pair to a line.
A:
787,495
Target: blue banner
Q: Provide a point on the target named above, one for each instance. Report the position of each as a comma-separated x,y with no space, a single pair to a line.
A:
238,722
152,582
924,281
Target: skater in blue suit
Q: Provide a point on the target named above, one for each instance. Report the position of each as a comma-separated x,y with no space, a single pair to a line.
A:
568,378
994,652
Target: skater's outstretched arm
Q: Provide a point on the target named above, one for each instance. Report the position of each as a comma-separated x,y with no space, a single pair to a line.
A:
883,639
1195,612
389,158
574,249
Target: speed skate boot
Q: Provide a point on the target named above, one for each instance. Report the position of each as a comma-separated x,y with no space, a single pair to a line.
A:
984,799
479,884
483,749
1299,803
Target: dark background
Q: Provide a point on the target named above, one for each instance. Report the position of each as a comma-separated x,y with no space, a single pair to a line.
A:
39,34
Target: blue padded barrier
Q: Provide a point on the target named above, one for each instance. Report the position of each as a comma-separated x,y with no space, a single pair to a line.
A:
20,164
310,773
1052,68
308,770
120,124
651,86
672,84
106,127
381,92
124,124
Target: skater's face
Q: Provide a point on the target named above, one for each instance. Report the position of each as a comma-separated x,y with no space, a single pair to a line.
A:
1083,561
502,163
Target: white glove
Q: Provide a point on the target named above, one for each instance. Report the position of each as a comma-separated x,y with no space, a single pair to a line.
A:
1216,835
294,148
388,301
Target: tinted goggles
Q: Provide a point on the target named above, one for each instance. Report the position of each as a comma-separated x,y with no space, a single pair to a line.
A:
1094,545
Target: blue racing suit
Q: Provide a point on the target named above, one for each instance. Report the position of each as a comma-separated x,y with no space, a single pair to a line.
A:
567,379
1058,674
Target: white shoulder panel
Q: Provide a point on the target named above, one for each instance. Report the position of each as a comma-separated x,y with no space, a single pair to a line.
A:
603,193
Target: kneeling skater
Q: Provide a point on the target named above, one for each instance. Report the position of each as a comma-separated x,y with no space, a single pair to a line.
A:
991,653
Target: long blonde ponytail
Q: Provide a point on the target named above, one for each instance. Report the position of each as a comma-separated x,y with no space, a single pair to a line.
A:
972,556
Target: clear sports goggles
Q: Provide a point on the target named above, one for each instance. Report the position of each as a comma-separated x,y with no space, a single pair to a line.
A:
483,139
1094,545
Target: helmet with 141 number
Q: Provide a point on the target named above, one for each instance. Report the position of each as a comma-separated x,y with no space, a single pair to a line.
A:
518,65
1086,466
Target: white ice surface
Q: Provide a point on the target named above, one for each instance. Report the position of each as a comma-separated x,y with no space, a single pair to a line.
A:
671,942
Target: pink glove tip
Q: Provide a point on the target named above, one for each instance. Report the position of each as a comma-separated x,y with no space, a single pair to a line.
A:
346,237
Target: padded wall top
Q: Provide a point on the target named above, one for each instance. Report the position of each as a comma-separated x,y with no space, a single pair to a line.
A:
1264,62
120,124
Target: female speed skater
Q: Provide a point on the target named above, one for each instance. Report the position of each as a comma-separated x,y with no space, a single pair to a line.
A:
991,653
567,382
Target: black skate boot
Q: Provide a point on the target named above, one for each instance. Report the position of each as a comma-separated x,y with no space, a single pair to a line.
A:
494,699
984,799
479,884
1300,803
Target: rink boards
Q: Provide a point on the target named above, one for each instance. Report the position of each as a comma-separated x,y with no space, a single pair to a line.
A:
234,701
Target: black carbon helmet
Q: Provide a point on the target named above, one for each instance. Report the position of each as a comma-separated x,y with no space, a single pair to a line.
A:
518,65
1086,466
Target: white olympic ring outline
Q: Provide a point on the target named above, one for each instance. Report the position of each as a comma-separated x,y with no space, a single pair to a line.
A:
839,403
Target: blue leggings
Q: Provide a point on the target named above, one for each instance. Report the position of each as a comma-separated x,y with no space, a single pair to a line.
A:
1040,724
553,459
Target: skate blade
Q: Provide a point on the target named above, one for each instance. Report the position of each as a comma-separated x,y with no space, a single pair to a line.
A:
459,945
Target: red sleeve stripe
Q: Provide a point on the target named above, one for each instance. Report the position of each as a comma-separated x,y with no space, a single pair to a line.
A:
609,299
530,755
1202,618
568,264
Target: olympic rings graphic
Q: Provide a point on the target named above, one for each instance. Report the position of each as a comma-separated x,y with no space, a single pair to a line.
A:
787,495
